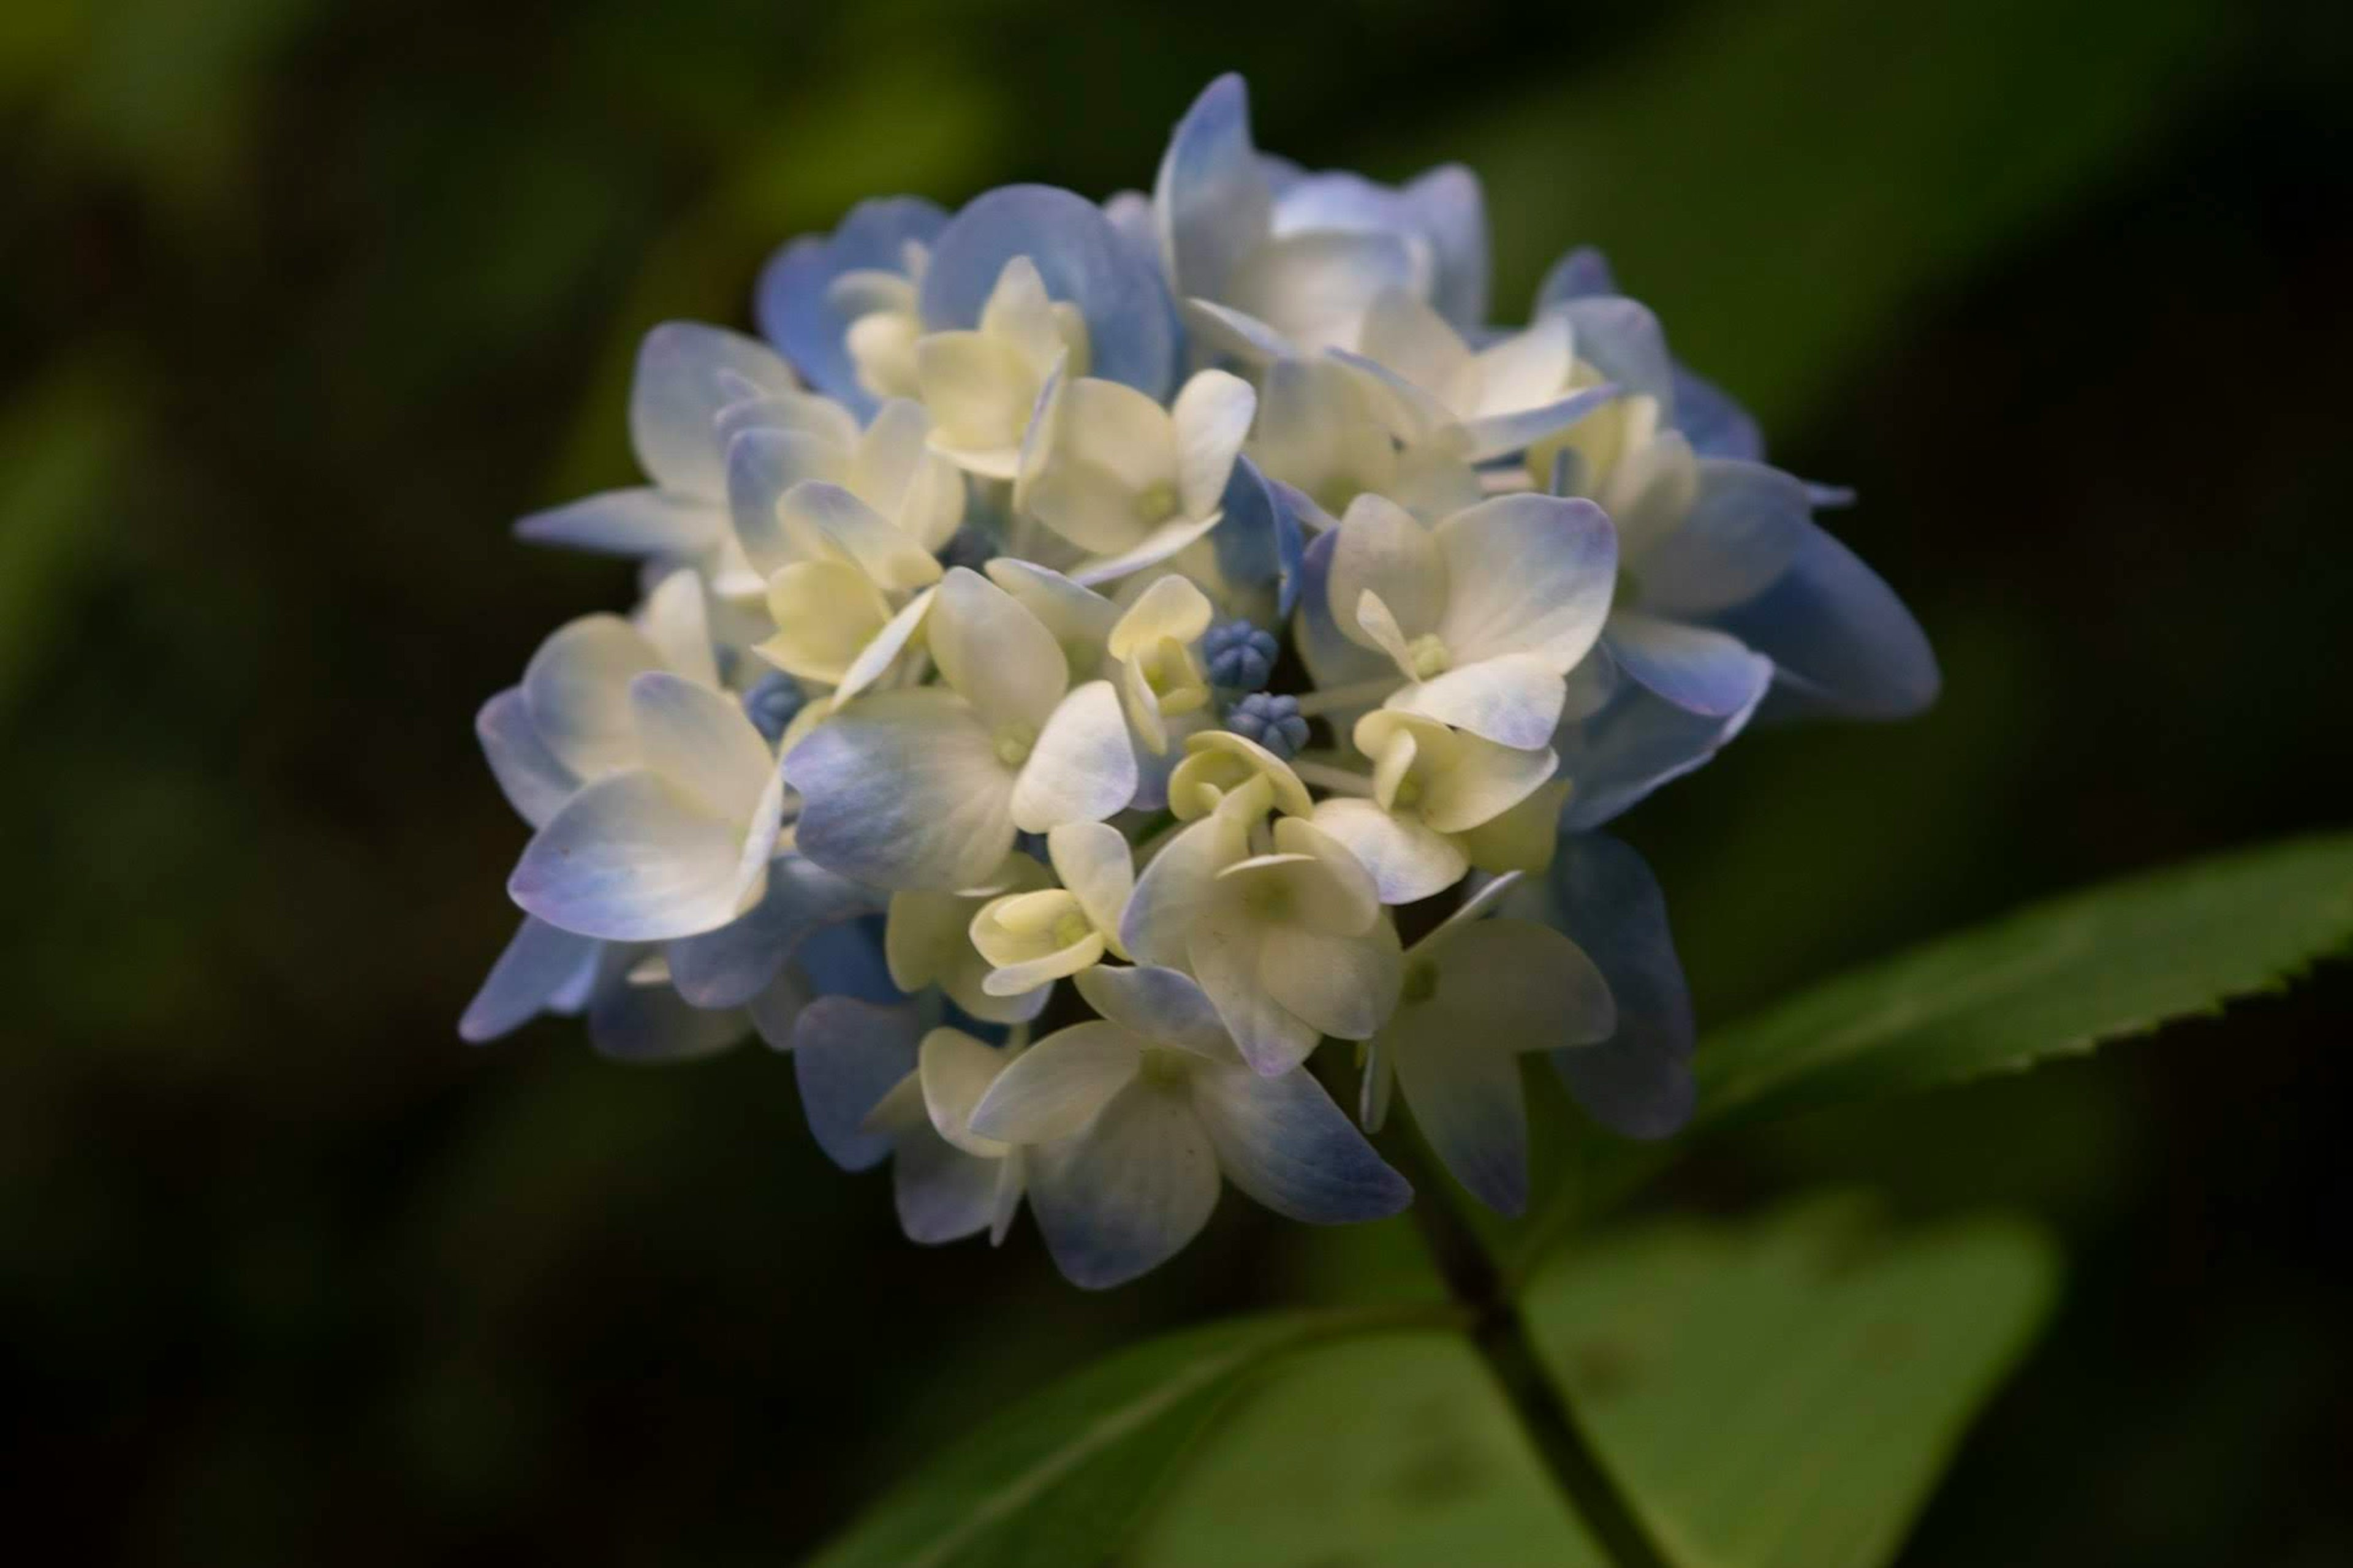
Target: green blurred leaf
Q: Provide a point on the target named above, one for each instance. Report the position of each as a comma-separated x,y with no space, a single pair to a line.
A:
1784,1394
1061,1479
2059,979
1392,1451
61,446
1781,181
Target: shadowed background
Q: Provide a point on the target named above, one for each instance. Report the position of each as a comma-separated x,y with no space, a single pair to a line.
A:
303,303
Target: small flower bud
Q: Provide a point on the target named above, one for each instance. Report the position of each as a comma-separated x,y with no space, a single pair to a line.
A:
1239,656
1273,722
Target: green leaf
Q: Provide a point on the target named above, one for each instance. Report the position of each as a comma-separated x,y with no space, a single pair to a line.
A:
1393,1451
2058,979
1059,1479
1784,1394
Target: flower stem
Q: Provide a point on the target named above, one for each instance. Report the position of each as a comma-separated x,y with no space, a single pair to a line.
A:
1342,780
1361,694
1500,1333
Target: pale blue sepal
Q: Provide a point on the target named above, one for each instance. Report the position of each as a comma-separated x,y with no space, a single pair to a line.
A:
1283,1142
639,521
533,781
1712,422
1698,669
1131,322
1211,202
1259,542
1468,1104
1636,744
790,301
540,966
730,966
942,1194
651,1024
1124,1197
847,1055
1842,642
1637,1082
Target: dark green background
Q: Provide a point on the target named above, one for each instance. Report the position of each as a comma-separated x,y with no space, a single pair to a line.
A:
304,301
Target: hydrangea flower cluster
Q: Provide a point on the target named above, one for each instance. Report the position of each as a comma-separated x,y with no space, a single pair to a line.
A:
1091,657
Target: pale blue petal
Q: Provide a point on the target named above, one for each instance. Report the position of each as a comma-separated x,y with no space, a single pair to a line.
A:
1282,1140
535,781
1126,1196
1468,1104
632,858
1699,671
1714,425
762,465
1443,209
641,521
1622,340
1746,526
730,966
790,301
903,790
1259,541
847,1055
1131,322
538,967
943,1194
1637,1082
1502,434
1332,658
651,1024
1210,201
1841,640
1582,272
845,959
686,374
1636,742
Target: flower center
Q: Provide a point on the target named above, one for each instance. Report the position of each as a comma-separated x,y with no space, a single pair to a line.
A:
1156,503
1430,656
1072,930
1013,744
1161,1068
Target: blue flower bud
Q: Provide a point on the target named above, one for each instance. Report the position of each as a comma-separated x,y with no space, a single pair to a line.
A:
772,703
1239,656
1273,722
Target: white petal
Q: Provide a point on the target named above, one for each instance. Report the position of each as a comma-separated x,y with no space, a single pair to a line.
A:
1314,287
892,559
577,691
1149,551
1282,1140
1128,1195
1409,338
1482,782
1381,549
1514,700
1059,1085
1527,574
1235,333
675,400
632,857
955,1071
1343,985
903,789
1210,202
1225,957
1179,882
702,743
1171,610
535,781
677,621
1082,768
1212,415
827,612
1338,895
1406,858
1093,861
997,654
762,465
1165,1007
1080,618
884,649
643,521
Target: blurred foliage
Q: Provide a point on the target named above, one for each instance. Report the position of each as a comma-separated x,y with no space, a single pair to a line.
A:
304,301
